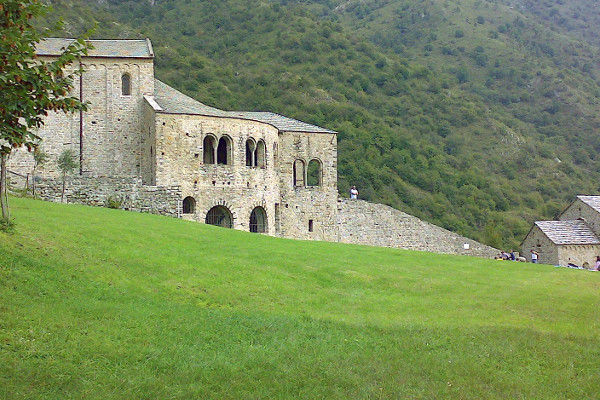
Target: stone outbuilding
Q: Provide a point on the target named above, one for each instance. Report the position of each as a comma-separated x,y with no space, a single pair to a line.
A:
144,146
573,239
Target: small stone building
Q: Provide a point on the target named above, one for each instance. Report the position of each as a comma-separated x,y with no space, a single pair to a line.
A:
573,239
145,146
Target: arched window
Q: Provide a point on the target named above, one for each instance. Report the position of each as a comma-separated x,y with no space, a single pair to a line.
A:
258,220
126,84
189,205
313,173
209,149
224,151
298,173
250,149
219,216
260,158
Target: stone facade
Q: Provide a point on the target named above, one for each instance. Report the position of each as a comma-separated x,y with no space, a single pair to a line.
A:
581,209
573,239
559,254
146,147
536,240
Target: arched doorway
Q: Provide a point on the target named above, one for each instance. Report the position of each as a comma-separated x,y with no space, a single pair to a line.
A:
258,220
219,216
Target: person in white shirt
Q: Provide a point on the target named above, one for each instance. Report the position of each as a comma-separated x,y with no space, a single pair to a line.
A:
354,193
534,256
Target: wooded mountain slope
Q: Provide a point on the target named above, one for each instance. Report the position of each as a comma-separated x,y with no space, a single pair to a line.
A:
480,116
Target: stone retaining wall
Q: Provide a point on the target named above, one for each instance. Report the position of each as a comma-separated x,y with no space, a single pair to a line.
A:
125,193
361,222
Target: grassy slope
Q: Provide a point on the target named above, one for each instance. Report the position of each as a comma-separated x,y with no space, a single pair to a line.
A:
101,303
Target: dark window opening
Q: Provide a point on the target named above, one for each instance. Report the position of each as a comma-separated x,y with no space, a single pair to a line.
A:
314,173
250,147
298,173
223,151
310,225
189,205
126,85
258,220
260,157
209,150
219,216
277,218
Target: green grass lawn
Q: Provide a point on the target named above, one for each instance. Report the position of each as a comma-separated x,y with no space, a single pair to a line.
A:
105,304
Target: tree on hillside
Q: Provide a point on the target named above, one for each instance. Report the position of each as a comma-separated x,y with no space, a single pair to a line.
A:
67,163
30,87
39,159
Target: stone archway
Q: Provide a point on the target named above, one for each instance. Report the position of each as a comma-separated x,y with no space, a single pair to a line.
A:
258,220
219,216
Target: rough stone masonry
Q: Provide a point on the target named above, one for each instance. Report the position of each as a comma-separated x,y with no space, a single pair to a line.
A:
147,147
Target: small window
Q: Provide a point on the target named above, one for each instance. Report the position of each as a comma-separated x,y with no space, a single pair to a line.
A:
314,173
250,149
298,173
189,205
260,160
310,225
209,150
126,85
224,151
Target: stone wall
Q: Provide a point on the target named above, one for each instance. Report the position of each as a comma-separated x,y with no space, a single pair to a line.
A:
111,126
578,255
536,240
127,193
305,211
578,209
179,159
361,222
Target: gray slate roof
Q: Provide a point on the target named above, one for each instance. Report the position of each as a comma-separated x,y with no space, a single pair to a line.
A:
174,102
592,201
575,232
102,48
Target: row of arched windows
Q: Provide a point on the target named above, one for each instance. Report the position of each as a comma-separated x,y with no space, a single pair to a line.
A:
221,216
255,153
217,152
220,152
311,176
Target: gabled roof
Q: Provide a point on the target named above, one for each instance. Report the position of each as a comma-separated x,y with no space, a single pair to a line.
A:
574,232
102,48
592,201
173,101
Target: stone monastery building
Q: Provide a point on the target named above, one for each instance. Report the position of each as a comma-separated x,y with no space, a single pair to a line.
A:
145,146
573,239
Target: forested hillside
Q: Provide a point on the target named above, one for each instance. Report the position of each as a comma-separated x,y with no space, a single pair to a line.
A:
480,116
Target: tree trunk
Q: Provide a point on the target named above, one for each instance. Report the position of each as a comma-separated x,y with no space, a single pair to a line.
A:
33,182
62,196
4,187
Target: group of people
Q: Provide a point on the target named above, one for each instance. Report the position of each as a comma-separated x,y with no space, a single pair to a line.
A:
535,256
586,265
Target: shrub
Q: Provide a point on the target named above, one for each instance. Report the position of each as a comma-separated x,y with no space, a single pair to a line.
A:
113,202
6,225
